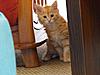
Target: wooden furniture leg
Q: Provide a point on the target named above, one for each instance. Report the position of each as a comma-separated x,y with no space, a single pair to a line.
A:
30,58
26,33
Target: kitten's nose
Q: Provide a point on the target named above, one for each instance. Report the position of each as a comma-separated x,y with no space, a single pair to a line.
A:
49,20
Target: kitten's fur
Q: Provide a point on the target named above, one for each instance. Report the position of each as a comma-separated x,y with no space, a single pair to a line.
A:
56,28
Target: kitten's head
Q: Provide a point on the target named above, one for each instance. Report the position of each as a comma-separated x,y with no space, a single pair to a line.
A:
47,14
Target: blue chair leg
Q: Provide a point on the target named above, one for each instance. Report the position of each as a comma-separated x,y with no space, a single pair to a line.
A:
7,54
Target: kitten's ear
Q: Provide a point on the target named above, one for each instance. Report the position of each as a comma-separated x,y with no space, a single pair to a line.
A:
38,9
54,5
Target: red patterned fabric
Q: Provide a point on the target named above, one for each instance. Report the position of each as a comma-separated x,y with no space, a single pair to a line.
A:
9,8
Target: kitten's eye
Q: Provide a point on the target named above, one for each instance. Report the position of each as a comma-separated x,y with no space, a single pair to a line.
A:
44,16
52,15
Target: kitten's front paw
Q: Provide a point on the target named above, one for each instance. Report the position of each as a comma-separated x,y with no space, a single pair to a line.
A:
61,58
67,60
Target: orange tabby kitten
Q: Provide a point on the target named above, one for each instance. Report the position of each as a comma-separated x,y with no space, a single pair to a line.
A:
56,28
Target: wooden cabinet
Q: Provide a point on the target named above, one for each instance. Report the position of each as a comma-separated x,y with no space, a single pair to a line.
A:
84,27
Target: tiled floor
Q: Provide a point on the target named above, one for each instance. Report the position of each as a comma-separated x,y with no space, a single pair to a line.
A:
53,67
